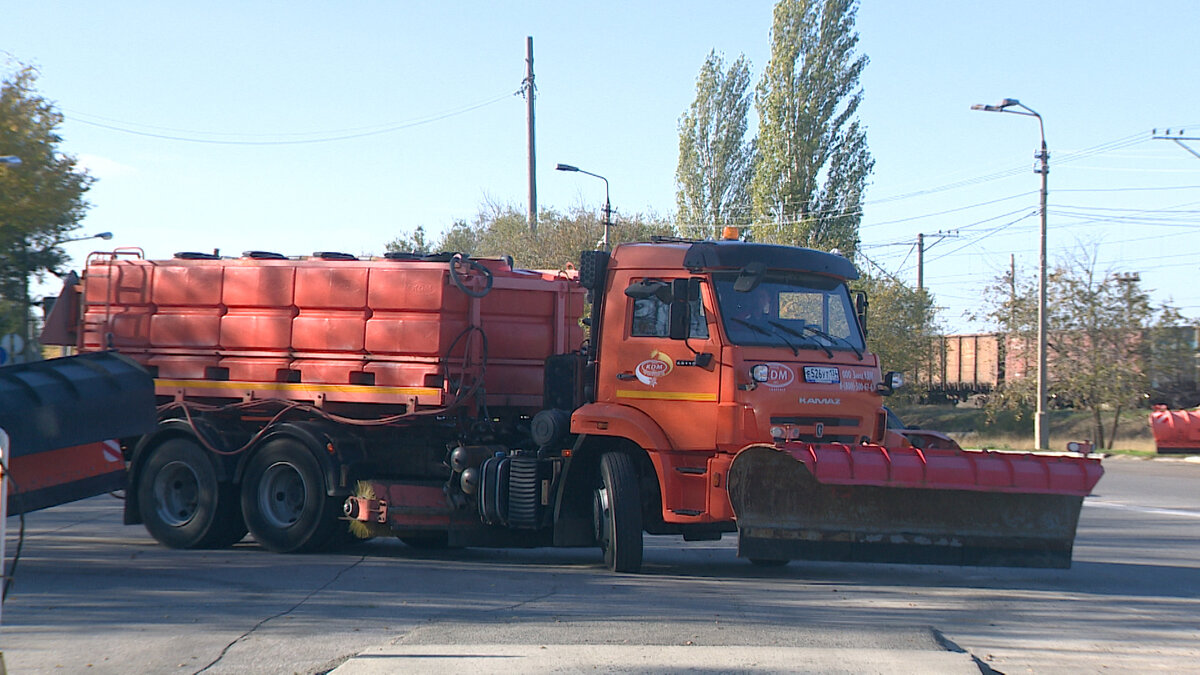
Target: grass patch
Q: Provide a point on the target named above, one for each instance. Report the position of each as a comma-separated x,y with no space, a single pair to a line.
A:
972,428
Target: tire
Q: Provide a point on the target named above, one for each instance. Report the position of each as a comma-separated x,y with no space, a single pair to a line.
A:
617,513
181,502
284,499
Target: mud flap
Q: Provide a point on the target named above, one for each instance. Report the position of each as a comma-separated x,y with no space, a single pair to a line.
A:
784,512
61,416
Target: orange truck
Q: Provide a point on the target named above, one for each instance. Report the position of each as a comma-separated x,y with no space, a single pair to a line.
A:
713,387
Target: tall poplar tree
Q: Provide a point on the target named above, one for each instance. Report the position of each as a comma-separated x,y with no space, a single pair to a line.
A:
813,160
715,160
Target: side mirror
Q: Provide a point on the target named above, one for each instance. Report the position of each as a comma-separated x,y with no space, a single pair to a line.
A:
860,309
891,382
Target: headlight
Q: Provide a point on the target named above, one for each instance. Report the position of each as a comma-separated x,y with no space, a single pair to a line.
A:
760,373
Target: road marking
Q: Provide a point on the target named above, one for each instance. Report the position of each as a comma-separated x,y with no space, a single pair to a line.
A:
1144,509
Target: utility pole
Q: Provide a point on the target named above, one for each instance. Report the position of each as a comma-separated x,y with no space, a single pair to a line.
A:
921,253
1012,290
1178,139
920,262
530,90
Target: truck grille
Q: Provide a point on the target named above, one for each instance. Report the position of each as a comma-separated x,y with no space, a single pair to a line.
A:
818,429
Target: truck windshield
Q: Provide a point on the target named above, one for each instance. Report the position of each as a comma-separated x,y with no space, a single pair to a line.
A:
790,309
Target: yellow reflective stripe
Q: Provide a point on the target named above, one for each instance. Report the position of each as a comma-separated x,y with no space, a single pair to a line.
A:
667,395
288,386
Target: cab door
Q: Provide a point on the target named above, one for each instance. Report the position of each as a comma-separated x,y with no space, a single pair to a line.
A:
674,381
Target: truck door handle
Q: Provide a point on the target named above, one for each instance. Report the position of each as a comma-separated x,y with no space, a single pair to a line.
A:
626,376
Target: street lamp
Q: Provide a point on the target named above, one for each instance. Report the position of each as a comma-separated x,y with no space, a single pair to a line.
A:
607,206
1041,429
99,235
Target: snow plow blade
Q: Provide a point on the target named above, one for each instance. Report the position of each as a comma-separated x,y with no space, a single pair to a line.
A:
62,417
868,503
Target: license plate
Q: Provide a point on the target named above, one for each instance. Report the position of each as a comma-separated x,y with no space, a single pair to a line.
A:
821,375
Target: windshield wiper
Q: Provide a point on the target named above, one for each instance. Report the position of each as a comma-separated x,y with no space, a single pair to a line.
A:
763,331
802,336
833,338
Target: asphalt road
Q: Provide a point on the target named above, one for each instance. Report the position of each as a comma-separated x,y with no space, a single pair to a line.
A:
92,595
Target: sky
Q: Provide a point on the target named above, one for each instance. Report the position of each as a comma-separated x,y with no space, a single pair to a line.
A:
309,126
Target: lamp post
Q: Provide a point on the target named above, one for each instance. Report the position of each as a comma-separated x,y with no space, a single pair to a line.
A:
1041,429
607,205
99,235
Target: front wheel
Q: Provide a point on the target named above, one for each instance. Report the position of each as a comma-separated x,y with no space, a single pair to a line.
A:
284,499
181,502
617,513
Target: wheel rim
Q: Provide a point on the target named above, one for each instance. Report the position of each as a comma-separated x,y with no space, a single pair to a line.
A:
601,515
177,494
282,495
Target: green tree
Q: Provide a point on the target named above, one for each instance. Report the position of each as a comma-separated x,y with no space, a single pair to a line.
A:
1098,354
411,242
41,201
500,230
715,160
813,160
900,327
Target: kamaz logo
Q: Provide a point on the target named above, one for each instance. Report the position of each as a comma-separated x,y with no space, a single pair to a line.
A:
821,401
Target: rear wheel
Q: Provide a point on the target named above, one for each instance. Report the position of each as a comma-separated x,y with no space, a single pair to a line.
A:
617,513
182,503
284,499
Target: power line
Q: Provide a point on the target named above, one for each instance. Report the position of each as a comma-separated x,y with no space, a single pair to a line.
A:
335,136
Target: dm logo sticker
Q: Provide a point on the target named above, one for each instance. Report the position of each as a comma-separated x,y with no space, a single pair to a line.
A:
658,365
779,375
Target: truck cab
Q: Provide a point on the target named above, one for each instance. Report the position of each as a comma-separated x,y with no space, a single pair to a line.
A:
705,348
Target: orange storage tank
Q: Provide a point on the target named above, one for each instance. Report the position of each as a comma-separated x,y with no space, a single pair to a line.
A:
331,302
116,304
260,306
414,310
187,297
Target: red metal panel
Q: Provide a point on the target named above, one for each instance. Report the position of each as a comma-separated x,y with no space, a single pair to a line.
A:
414,333
257,328
125,282
411,286
326,371
317,330
117,326
259,283
183,367
331,285
255,369
191,327
388,374
972,470
187,283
